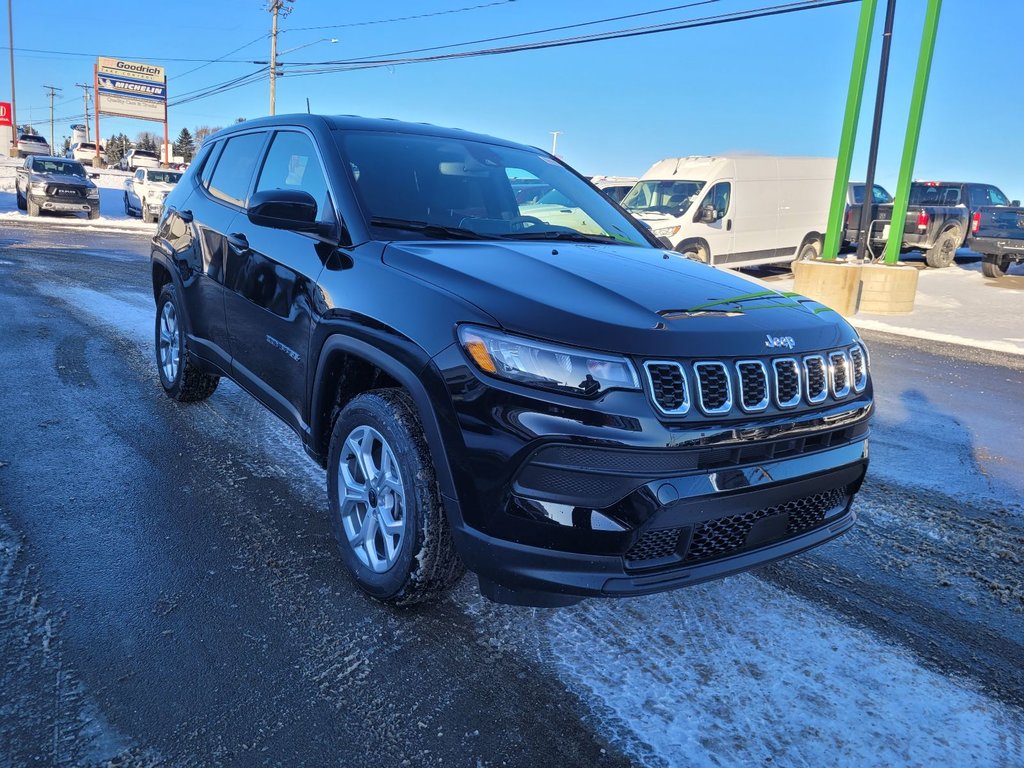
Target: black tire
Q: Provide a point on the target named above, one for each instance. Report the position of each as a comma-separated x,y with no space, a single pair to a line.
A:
695,252
810,250
31,207
20,199
94,213
425,562
941,254
146,218
128,208
995,266
186,383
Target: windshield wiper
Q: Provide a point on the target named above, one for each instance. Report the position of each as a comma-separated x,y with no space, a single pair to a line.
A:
435,230
579,237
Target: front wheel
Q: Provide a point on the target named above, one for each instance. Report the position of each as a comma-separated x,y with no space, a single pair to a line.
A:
995,266
20,199
941,254
32,207
810,250
385,505
180,377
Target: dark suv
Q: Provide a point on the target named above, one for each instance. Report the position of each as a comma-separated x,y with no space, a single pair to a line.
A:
540,393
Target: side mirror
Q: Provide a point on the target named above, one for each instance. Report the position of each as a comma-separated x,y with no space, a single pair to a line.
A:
1015,203
94,175
283,209
709,215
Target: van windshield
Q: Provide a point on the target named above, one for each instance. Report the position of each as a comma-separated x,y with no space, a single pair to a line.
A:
670,198
414,186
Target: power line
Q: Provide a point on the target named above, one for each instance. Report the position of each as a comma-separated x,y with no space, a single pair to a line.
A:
404,18
221,59
136,58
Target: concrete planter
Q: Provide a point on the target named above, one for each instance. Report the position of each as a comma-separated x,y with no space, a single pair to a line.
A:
836,284
888,290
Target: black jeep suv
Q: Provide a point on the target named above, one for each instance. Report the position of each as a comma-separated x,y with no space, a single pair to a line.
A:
538,392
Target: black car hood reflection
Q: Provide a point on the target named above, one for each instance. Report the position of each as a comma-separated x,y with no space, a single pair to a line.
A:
609,297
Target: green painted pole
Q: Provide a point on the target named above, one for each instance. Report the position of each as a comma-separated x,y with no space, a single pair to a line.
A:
924,68
834,230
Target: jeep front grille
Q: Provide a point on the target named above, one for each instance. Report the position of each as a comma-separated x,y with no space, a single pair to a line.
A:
727,388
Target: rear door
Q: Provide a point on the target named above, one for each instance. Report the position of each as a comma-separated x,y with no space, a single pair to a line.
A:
271,282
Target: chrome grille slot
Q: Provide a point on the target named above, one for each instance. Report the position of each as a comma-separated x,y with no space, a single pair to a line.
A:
753,385
714,391
815,379
839,368
787,382
668,386
859,368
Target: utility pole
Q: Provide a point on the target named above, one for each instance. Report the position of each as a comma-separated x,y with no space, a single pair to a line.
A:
275,10
53,92
14,114
85,99
554,141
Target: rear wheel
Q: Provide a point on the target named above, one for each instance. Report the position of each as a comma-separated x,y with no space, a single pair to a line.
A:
941,254
385,505
995,266
810,250
180,377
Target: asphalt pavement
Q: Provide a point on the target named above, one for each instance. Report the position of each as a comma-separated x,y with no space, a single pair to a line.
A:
170,592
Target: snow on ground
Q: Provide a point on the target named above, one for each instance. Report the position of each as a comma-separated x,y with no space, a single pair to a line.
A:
956,305
730,673
112,215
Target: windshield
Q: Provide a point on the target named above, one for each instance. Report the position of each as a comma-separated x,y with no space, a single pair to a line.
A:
32,137
164,177
935,194
85,145
68,167
880,196
664,197
411,186
144,153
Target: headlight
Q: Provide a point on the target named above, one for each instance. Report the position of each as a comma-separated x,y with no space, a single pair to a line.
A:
92,193
548,366
666,231
39,187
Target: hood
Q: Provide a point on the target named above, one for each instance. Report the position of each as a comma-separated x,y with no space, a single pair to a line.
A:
640,301
67,179
162,187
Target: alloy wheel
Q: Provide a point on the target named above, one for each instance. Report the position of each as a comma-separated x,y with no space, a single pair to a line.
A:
169,342
372,498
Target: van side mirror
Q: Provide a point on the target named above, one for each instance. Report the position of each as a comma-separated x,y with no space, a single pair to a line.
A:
283,209
709,215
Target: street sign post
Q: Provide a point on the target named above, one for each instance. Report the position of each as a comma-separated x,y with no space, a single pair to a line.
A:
130,89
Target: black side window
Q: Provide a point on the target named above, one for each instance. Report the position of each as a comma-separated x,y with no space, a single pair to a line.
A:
292,163
978,196
231,177
208,162
718,198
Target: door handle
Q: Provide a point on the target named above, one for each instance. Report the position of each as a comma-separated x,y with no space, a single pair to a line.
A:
728,225
238,242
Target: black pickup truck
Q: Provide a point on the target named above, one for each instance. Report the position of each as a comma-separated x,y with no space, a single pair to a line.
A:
997,232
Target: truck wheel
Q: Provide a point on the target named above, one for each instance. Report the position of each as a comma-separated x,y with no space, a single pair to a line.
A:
810,250
94,213
32,207
695,252
21,200
385,506
181,378
127,207
941,254
995,266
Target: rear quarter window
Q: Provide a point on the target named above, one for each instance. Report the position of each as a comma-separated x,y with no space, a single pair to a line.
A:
234,169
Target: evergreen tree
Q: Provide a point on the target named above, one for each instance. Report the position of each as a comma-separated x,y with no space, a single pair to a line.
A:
185,146
116,148
148,141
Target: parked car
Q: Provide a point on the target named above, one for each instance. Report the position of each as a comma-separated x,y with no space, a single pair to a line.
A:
144,192
32,144
737,209
854,201
937,222
55,184
565,413
615,187
134,159
997,232
85,152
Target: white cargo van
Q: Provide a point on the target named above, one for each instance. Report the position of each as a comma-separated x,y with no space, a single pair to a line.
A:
737,210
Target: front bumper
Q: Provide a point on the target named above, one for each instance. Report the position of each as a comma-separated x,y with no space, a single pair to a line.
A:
560,500
66,205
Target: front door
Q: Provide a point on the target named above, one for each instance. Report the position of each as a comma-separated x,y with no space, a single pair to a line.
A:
271,281
712,221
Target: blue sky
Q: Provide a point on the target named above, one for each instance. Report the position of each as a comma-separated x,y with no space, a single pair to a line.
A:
774,85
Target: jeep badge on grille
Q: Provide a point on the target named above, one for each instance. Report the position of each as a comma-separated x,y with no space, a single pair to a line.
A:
774,342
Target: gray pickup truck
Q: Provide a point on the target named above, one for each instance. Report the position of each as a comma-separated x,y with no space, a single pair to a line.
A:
997,232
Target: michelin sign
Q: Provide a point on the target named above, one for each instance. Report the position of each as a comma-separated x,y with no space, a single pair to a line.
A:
131,89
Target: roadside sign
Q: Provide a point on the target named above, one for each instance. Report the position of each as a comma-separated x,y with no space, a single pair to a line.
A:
130,89
5,113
